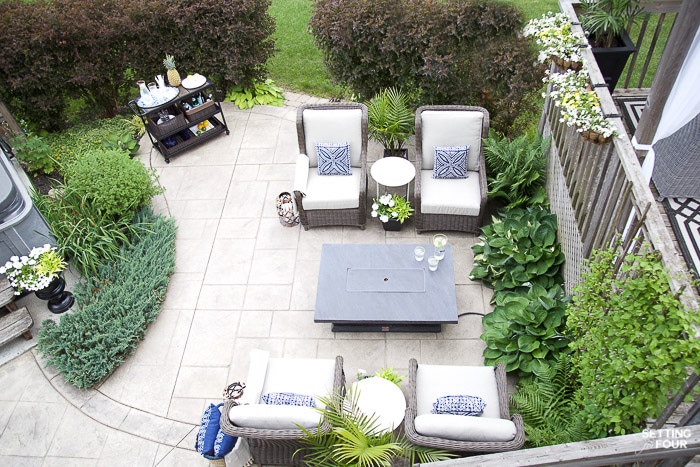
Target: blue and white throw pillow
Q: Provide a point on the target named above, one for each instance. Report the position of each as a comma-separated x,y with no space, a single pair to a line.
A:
333,158
288,398
459,405
211,441
450,162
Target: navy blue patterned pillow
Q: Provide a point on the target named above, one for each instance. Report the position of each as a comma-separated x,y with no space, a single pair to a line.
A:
333,158
451,162
288,398
459,405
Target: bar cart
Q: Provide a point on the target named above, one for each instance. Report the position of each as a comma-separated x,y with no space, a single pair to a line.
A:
191,116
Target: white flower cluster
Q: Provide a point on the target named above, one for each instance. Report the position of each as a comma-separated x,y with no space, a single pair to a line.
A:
384,211
554,37
22,272
580,105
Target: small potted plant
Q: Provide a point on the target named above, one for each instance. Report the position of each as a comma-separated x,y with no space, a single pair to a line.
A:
39,271
605,22
555,40
390,121
392,210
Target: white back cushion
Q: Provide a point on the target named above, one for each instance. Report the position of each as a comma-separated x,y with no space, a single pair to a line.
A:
333,126
433,381
308,376
451,128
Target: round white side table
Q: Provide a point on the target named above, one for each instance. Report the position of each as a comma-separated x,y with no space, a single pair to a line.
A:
393,171
380,398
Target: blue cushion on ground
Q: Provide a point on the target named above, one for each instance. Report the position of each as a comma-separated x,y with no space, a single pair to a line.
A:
288,398
333,158
459,405
211,441
451,162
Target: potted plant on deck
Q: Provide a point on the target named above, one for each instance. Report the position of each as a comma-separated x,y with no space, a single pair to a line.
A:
390,121
605,22
392,210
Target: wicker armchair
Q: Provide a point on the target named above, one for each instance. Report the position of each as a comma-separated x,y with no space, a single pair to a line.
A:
327,199
452,204
427,382
276,446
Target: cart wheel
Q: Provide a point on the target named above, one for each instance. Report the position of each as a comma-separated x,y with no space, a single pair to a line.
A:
228,132
167,160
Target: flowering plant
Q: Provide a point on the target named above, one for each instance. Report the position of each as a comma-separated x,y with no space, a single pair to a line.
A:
554,37
580,105
35,271
391,207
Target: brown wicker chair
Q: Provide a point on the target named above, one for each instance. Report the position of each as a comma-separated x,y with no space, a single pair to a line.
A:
450,125
332,123
419,404
278,446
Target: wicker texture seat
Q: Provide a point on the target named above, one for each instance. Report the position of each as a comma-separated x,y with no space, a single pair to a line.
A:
331,199
277,446
427,381
456,204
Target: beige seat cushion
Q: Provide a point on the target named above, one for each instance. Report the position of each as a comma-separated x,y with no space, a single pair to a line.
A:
332,191
451,128
465,427
274,417
459,197
433,381
333,126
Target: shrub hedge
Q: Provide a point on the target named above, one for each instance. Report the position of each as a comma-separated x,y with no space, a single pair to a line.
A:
85,49
114,307
452,51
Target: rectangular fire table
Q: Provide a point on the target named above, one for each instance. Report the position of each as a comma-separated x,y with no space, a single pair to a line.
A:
383,288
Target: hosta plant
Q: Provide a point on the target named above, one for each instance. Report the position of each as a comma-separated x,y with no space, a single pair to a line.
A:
260,93
524,331
519,249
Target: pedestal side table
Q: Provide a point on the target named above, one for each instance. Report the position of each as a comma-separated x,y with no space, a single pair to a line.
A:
392,172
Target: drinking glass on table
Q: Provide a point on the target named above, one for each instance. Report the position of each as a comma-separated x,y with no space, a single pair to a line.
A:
433,263
419,253
439,242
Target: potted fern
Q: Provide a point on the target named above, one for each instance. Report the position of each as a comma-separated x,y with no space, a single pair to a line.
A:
390,121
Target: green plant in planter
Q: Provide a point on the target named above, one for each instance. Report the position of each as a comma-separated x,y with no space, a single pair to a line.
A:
391,207
606,20
525,329
355,440
390,119
547,403
389,374
519,249
516,169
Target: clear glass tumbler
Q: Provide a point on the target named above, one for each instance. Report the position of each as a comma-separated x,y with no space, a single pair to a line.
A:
419,253
439,242
433,263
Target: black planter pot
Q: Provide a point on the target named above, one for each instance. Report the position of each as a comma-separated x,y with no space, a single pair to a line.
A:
59,299
396,153
612,60
392,225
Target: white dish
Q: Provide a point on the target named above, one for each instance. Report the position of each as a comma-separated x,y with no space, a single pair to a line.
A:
194,81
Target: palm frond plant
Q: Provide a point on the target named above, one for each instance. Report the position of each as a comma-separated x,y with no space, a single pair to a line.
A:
547,403
516,169
390,119
355,439
606,20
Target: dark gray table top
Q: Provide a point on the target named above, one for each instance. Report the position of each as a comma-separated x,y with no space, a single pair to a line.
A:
384,284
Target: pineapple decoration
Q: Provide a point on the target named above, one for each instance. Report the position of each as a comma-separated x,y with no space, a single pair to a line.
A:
173,75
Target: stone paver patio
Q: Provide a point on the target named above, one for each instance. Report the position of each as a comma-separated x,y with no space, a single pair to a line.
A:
242,281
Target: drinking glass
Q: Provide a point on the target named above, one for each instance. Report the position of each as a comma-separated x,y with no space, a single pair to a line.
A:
419,253
433,263
439,242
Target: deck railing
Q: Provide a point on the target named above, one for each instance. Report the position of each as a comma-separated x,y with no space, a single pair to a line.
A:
599,192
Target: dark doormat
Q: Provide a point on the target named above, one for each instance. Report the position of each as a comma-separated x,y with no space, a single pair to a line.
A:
631,108
684,215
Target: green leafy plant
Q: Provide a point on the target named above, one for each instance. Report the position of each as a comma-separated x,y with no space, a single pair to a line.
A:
261,93
548,406
390,120
392,207
525,329
632,340
114,307
85,235
516,169
355,439
34,271
606,20
521,248
34,152
389,374
112,182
